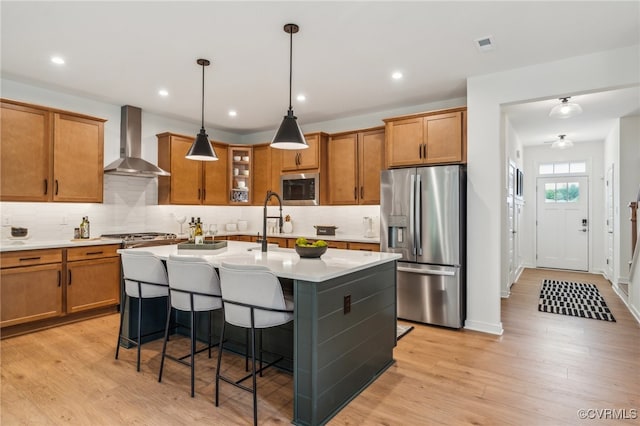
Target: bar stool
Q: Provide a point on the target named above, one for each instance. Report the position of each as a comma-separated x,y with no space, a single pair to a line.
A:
145,277
193,287
252,298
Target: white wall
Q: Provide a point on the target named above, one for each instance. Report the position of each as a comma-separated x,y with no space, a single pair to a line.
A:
590,152
486,156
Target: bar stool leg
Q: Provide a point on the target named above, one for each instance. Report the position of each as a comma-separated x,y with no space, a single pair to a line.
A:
246,350
253,373
193,349
164,344
209,343
122,308
219,361
139,330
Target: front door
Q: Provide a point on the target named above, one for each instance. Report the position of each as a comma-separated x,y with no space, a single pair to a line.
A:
563,223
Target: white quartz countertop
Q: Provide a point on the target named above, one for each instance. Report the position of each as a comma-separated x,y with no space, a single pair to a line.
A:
285,263
352,238
31,244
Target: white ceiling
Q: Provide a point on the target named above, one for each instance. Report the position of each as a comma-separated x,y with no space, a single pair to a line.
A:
343,56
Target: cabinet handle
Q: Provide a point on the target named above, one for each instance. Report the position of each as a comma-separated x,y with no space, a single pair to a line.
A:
298,159
24,259
361,192
91,253
424,150
56,192
355,192
46,186
59,279
204,194
420,151
69,281
198,193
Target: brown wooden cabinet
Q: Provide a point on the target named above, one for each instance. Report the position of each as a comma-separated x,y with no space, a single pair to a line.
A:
305,159
437,137
30,286
42,288
93,277
44,151
191,182
355,161
364,246
266,173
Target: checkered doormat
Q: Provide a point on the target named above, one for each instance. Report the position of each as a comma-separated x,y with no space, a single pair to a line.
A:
575,299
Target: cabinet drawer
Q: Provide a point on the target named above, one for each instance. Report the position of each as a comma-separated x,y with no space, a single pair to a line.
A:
12,259
364,246
92,252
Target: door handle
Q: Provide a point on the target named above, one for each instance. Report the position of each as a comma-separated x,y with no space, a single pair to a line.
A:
583,229
426,271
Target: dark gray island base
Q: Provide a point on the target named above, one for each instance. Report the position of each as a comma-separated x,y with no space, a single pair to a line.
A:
344,328
338,354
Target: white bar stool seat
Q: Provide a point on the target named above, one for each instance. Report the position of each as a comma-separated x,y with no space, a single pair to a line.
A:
253,299
194,287
145,277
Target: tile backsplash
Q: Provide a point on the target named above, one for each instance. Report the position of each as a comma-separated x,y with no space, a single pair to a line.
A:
130,205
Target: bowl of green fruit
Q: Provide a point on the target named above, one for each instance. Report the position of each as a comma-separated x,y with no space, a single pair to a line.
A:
310,250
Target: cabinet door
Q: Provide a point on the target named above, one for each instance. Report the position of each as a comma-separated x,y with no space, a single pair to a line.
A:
30,293
77,159
186,175
443,136
343,170
93,284
303,159
370,163
404,142
240,183
25,143
266,173
215,177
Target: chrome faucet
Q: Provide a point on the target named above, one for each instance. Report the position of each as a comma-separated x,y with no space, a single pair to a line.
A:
265,217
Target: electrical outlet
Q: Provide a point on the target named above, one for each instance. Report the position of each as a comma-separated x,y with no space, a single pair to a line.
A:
6,221
347,304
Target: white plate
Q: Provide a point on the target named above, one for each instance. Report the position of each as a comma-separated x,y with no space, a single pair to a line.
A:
241,189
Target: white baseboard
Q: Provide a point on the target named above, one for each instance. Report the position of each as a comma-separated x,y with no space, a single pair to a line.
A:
484,327
634,312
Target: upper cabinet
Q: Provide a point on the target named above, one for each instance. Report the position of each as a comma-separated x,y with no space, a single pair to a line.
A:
44,151
191,181
240,187
305,159
266,173
437,137
355,161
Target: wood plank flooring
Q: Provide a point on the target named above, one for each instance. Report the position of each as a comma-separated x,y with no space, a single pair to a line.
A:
540,372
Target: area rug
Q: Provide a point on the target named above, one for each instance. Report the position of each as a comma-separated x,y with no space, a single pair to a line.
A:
402,330
575,299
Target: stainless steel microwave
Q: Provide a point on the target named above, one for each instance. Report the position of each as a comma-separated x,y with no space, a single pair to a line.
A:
302,189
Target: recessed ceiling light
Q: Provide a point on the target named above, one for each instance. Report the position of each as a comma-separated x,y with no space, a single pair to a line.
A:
57,60
396,75
301,98
163,92
233,113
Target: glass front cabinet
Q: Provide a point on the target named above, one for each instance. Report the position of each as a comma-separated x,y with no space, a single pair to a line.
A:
240,158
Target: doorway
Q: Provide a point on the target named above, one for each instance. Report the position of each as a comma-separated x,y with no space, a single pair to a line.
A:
562,231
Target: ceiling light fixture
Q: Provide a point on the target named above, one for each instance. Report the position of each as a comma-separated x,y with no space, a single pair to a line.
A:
396,75
565,109
233,113
163,93
57,60
289,135
301,98
562,143
202,148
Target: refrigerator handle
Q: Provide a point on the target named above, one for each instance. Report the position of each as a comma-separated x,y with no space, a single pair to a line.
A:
418,214
412,204
426,271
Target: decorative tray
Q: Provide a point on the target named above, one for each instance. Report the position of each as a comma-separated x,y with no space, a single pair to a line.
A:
207,245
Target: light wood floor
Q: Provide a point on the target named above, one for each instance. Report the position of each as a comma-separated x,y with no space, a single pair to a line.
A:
540,372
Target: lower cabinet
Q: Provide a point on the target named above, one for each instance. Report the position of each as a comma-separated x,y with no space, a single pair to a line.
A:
42,288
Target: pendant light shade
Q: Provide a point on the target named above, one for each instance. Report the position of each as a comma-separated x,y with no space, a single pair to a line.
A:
565,109
289,135
562,143
201,149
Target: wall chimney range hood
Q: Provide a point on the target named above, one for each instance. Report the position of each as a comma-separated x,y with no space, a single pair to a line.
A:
130,162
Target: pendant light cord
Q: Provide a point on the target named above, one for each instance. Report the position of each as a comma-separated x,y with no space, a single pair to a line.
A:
203,65
290,67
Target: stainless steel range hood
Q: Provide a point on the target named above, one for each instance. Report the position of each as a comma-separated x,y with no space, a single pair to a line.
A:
130,162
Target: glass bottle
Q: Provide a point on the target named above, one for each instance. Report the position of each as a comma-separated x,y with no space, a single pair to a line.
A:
198,234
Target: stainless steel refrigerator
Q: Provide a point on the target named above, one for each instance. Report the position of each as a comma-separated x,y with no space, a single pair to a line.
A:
423,218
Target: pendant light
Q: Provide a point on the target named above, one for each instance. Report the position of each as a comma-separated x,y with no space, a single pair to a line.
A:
289,135
565,109
562,143
202,148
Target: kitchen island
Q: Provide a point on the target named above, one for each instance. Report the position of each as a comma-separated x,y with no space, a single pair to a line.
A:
344,327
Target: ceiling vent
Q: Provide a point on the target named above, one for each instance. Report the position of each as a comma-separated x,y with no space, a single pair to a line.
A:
484,43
